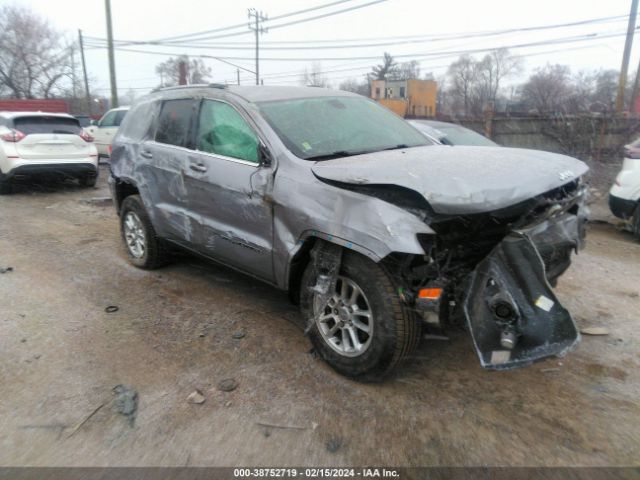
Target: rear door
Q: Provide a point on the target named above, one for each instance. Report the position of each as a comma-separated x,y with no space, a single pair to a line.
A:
161,164
226,188
50,138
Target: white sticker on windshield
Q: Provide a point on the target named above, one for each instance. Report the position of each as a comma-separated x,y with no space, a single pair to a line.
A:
545,303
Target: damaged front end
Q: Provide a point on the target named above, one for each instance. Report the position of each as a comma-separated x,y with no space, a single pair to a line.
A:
496,270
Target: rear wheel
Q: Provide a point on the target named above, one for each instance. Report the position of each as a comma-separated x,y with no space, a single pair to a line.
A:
636,223
146,250
362,330
89,180
5,186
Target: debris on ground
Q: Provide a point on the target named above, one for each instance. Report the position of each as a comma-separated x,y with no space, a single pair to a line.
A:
100,201
227,385
6,269
334,444
112,309
196,397
282,427
86,419
238,335
126,402
595,331
549,370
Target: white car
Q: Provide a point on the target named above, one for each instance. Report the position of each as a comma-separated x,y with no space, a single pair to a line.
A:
36,143
624,196
106,129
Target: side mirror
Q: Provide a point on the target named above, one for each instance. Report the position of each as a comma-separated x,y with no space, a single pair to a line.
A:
94,123
264,156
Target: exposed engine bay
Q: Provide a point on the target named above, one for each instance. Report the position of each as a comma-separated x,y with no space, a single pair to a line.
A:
496,270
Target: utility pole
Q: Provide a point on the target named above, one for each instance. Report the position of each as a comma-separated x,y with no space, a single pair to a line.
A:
634,92
255,25
112,59
84,72
625,56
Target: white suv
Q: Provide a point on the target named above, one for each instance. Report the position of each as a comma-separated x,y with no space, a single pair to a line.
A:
624,196
36,143
106,129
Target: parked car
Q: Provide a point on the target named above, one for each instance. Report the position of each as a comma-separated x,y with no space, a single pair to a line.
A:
373,230
624,196
106,128
451,134
34,144
85,120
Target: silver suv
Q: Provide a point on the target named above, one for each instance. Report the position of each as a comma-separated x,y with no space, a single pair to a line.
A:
376,232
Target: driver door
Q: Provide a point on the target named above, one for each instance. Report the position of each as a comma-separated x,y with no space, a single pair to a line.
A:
226,186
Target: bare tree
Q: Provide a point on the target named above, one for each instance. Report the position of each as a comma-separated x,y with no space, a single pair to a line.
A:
490,72
33,61
548,89
462,75
406,71
386,69
356,86
314,77
606,87
169,71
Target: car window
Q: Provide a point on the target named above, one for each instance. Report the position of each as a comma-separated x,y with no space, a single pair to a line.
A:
221,130
174,122
43,124
118,118
108,120
313,128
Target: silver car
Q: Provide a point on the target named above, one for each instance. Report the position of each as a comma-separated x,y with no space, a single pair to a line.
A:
374,231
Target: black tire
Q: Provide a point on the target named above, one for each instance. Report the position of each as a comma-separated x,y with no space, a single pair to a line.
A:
396,331
5,186
635,223
89,180
156,253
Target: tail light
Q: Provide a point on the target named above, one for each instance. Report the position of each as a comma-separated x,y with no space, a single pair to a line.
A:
85,136
12,136
109,149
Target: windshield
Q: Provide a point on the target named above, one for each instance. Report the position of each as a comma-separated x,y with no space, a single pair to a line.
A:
42,124
329,127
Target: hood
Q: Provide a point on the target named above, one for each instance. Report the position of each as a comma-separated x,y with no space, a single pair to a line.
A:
458,180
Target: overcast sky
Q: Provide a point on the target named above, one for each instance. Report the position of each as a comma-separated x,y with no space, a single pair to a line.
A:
153,19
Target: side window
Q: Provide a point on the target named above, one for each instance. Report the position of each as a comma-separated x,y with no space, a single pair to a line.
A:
221,130
174,122
118,118
109,119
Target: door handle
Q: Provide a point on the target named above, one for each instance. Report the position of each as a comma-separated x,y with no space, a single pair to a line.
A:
146,154
198,167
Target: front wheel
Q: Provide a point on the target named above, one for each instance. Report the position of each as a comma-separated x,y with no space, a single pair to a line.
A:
362,329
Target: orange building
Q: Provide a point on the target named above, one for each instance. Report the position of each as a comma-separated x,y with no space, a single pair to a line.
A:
408,98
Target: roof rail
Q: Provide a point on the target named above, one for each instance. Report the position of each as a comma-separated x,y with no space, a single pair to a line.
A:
178,87
218,85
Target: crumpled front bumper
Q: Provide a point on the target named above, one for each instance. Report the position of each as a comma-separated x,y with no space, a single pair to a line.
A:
513,314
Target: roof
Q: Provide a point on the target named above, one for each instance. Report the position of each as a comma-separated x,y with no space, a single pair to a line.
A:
34,114
264,93
119,108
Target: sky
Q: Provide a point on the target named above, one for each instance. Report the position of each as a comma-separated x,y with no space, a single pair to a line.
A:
144,20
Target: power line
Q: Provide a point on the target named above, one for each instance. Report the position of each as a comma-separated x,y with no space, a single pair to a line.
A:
556,41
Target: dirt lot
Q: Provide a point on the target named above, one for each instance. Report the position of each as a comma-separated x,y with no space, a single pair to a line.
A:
61,355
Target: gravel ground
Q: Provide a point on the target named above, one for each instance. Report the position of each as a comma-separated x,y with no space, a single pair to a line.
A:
62,355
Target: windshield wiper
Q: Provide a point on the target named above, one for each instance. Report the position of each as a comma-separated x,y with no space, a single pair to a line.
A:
336,154
397,147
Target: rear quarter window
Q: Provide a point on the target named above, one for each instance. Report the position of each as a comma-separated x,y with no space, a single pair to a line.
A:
53,125
175,122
